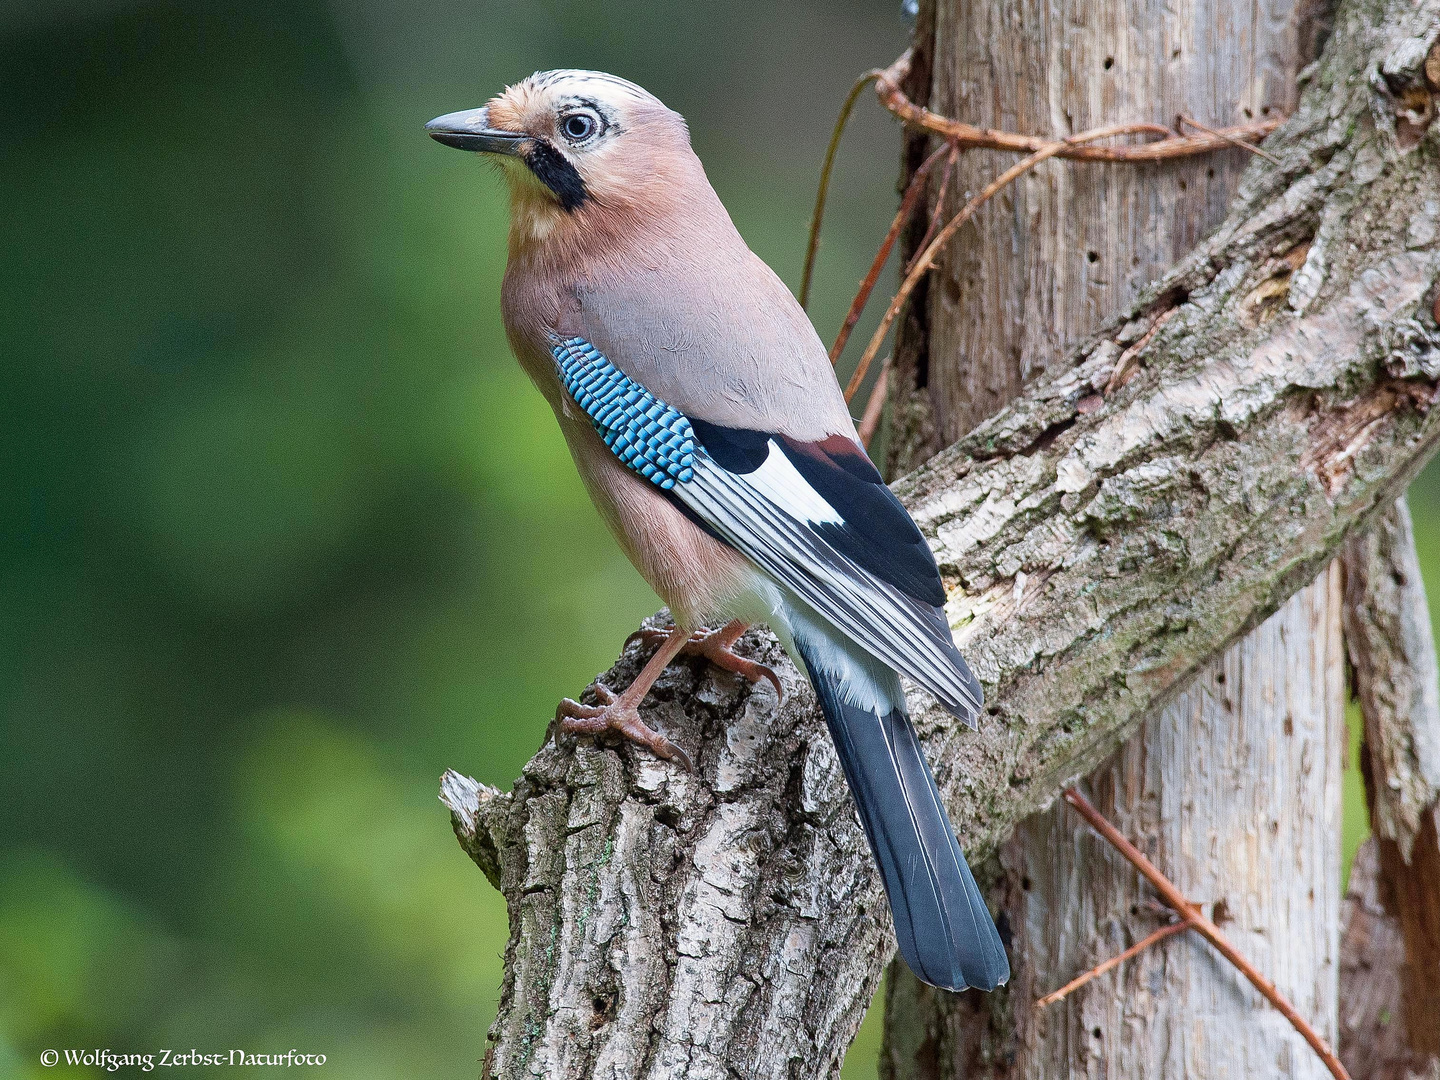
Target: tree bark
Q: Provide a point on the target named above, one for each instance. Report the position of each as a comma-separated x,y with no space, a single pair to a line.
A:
730,922
1392,646
1392,649
1233,811
1375,1040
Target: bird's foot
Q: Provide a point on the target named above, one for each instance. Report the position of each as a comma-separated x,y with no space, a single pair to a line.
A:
714,646
619,715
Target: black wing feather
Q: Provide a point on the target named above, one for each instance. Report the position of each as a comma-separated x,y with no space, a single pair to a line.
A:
877,533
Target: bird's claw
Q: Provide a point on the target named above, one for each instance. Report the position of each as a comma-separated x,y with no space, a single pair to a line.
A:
651,637
615,715
714,646
752,670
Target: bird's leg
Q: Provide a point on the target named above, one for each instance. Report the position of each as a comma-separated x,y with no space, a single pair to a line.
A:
714,645
620,713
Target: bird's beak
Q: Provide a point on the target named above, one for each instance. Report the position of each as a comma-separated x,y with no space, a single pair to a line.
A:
470,130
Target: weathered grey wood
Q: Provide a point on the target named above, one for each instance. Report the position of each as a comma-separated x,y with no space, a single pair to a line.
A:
1392,648
1071,246
729,923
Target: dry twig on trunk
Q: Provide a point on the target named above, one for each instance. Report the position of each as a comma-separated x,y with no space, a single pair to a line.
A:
1207,929
1152,938
1169,145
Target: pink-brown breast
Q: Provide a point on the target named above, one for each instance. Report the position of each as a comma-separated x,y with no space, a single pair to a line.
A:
700,579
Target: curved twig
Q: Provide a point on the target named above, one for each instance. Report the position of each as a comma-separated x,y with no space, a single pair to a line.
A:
824,189
874,405
966,136
1231,139
921,265
961,136
1176,899
945,178
1169,930
907,204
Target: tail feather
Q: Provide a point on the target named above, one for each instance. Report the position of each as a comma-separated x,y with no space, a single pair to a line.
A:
942,924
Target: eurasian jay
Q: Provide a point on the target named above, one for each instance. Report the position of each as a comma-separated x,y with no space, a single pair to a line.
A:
705,419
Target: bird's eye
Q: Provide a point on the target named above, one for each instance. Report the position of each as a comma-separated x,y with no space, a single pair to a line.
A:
577,127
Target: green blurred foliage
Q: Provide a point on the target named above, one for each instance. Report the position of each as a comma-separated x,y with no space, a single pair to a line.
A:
284,532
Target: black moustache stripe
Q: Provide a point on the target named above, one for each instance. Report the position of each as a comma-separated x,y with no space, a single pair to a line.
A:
554,170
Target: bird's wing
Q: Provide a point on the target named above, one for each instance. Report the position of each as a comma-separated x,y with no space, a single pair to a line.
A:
815,516
718,337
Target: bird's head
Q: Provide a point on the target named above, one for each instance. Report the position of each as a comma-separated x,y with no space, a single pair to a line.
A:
571,143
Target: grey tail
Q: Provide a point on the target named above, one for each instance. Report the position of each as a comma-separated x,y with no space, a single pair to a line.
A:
943,926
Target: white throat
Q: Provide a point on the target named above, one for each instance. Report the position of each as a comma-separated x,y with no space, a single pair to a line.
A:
534,213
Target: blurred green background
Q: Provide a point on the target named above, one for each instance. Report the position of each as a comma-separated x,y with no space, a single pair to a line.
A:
285,531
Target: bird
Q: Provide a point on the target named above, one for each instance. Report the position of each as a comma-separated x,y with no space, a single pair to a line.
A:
704,417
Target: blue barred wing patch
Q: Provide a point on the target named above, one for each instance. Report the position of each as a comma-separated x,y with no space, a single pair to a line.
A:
646,434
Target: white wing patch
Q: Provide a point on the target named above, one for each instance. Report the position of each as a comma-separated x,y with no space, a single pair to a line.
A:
767,526
780,482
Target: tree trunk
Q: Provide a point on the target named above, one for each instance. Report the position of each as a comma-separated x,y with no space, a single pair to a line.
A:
1240,816
1375,1026
1392,1013
1099,547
